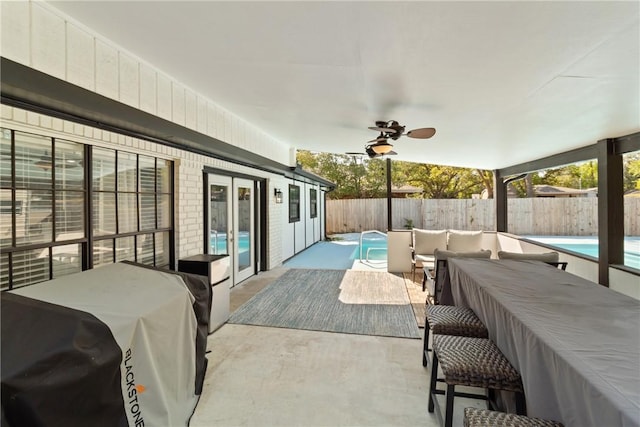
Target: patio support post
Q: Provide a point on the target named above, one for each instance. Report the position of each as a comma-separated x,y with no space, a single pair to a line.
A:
500,197
389,216
610,209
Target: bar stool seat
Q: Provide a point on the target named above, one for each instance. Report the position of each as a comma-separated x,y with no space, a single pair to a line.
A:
476,417
451,320
474,362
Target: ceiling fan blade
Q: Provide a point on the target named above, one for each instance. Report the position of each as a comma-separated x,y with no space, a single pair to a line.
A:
382,129
391,153
422,133
355,153
378,139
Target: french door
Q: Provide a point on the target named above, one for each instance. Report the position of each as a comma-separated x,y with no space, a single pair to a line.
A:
243,225
231,223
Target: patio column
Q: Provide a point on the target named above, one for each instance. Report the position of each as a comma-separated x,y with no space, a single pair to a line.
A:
389,216
500,197
610,209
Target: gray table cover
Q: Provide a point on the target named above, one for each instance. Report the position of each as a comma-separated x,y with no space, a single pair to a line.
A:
575,343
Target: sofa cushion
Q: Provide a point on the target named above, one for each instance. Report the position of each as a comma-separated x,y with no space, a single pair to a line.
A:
439,254
544,256
425,242
464,241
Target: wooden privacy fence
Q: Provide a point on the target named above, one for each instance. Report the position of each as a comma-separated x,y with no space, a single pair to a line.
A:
536,216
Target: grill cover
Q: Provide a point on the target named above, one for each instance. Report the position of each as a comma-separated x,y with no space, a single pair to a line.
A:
115,346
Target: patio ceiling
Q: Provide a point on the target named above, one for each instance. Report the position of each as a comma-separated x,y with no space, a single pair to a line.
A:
502,82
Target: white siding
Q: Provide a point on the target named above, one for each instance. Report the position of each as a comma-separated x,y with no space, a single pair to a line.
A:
188,207
37,35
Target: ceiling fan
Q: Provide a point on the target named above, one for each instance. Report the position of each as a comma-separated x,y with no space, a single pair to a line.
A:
392,130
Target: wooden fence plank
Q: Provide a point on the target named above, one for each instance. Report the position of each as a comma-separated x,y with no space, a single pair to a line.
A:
575,216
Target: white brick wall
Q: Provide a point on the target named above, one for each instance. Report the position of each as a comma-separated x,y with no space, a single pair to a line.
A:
189,226
37,35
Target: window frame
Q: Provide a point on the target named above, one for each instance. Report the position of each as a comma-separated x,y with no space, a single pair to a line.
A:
294,203
313,203
162,235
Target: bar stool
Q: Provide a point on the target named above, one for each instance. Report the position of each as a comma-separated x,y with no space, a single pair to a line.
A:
475,417
474,362
451,320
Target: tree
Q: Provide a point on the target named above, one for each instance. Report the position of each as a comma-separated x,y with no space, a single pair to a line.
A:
631,172
356,177
444,182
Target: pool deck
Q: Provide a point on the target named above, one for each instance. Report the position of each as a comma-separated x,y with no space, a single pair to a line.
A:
335,255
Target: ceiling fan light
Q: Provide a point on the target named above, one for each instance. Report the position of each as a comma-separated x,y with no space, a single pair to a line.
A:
382,147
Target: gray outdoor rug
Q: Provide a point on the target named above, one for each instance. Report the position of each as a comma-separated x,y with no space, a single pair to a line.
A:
346,301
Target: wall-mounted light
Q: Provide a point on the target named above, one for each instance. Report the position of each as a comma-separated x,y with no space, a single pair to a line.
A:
278,194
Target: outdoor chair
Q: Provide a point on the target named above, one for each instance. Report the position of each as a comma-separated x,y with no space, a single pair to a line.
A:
451,320
473,362
439,286
476,417
425,242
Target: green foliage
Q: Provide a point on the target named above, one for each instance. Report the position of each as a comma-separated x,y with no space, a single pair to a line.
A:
367,178
631,171
357,177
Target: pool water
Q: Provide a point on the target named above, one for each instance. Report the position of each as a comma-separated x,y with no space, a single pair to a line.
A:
587,245
375,244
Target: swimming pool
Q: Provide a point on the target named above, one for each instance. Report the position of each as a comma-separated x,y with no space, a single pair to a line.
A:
588,245
374,245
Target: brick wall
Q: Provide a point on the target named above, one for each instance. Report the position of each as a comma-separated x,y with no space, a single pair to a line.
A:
36,35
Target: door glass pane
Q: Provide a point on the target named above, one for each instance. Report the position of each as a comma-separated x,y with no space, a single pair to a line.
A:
5,158
69,215
218,214
66,260
69,165
103,169
244,228
102,253
104,213
33,160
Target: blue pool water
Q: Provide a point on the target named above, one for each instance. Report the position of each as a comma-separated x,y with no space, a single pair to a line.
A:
375,244
218,242
586,245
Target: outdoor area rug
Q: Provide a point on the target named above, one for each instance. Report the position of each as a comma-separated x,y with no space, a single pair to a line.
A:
345,301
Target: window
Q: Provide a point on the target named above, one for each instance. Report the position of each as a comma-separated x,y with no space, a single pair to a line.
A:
43,196
294,203
44,217
313,203
558,207
631,190
131,208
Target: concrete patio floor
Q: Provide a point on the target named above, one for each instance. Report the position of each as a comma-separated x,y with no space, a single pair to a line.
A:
261,376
